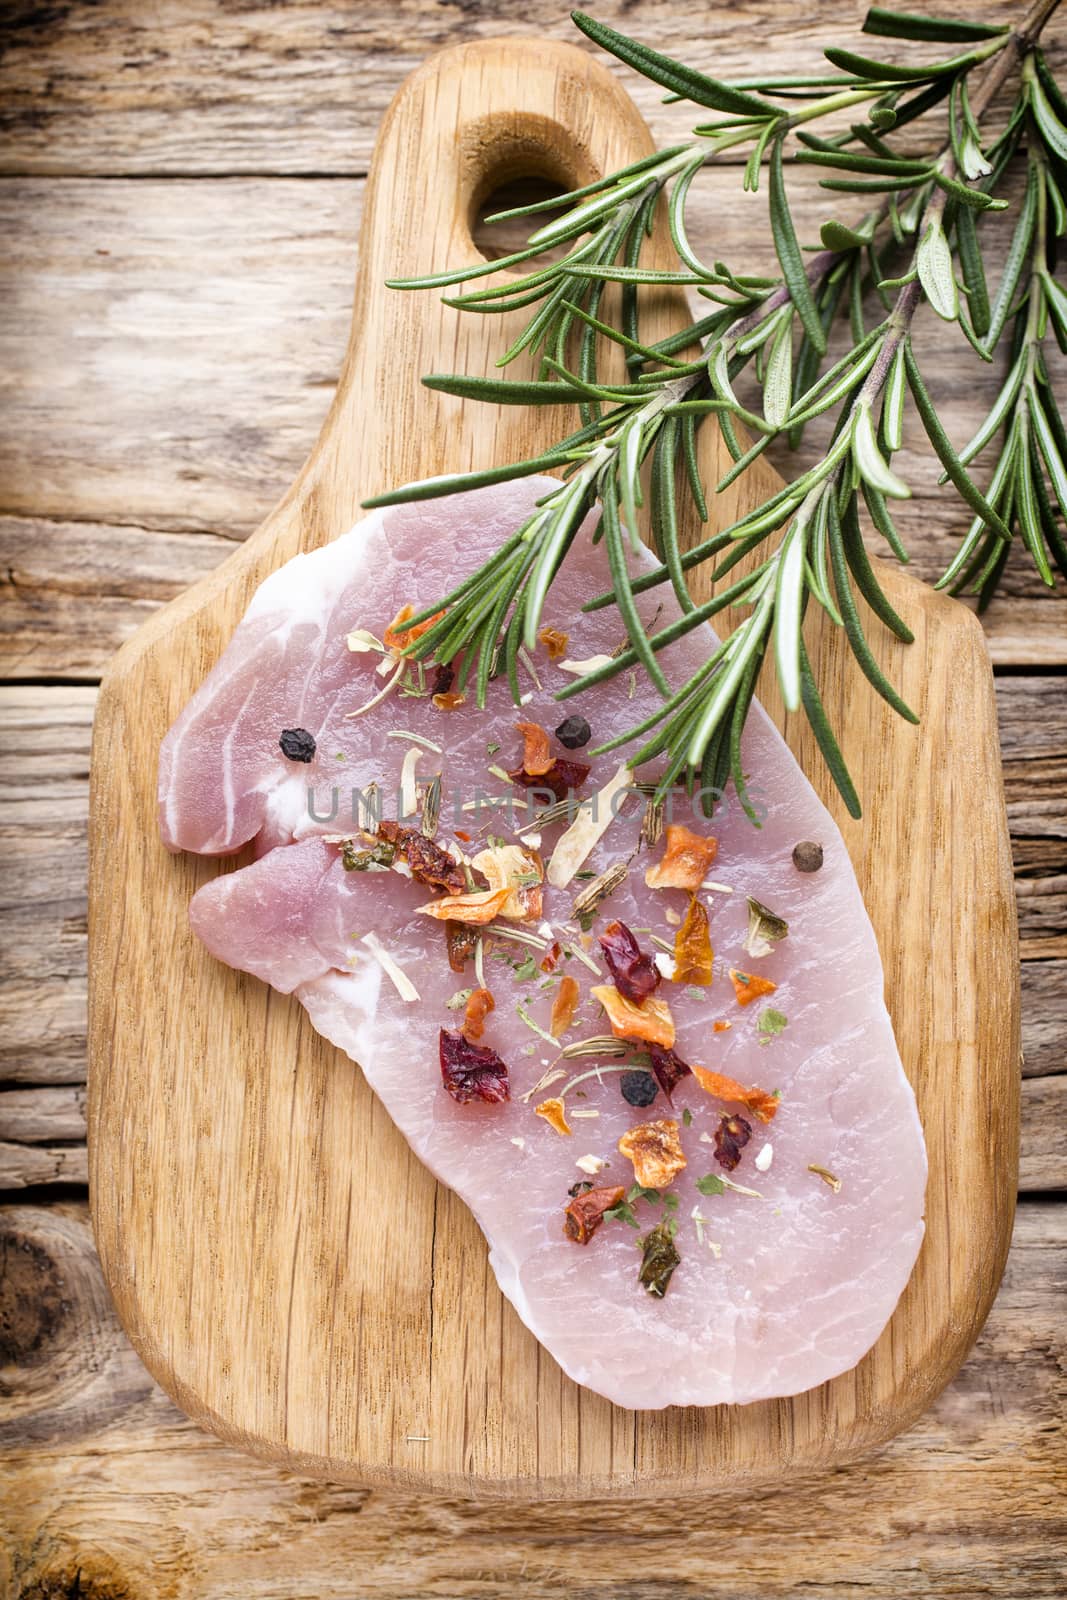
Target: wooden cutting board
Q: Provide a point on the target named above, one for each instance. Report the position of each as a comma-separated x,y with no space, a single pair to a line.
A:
285,1267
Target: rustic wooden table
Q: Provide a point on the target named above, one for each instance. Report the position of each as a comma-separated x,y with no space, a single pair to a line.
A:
180,195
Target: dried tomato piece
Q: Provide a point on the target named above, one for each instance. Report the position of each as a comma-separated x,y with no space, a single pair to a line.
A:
550,959
668,1068
583,1214
561,777
429,863
462,941
472,1071
636,975
479,1004
693,955
731,1137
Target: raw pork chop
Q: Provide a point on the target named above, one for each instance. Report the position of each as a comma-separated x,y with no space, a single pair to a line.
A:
781,1282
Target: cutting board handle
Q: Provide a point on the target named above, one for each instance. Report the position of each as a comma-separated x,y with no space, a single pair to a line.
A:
469,119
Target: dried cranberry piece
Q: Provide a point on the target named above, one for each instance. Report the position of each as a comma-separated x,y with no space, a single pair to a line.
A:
636,975
668,1068
472,1071
583,1216
731,1137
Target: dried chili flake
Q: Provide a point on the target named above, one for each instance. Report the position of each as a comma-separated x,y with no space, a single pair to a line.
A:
554,1114
731,1137
554,642
748,986
693,955
472,1071
448,702
651,1021
462,941
462,834
656,1153
584,1212
564,1006
762,1104
397,637
722,1027
635,974
685,860
443,678
659,1258
550,959
479,1004
668,1068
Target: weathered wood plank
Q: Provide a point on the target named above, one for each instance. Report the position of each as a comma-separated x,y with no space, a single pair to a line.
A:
32,1166
211,317
71,593
1043,1152
204,88
968,1502
38,1116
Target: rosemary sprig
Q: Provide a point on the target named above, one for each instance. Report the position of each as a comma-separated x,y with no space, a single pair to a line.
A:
757,361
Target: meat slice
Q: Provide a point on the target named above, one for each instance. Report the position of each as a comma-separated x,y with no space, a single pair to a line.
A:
776,1290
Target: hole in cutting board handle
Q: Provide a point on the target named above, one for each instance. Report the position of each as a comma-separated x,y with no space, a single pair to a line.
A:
530,158
493,240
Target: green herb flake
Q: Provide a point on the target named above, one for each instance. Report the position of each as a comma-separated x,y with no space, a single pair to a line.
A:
771,1021
687,1118
526,970
491,749
712,1184
457,1001
659,1258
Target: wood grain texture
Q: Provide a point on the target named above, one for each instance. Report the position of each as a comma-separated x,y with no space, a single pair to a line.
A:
198,87
227,1141
209,317
107,1491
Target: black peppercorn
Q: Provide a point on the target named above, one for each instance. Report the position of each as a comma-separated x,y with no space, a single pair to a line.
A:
807,856
574,733
638,1088
297,744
